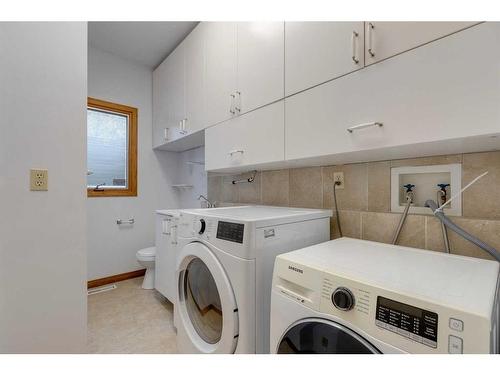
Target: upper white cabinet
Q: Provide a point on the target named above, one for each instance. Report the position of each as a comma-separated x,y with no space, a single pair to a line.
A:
386,39
175,90
194,75
244,67
260,66
168,98
220,71
316,52
254,138
428,100
160,104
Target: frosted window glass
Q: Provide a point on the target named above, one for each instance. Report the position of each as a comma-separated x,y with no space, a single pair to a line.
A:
106,149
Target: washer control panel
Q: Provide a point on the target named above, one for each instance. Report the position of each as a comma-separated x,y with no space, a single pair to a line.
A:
409,321
230,231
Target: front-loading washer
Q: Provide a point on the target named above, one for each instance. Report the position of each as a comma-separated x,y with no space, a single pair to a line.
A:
350,296
224,272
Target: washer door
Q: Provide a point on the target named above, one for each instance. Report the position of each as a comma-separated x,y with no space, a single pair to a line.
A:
319,336
207,306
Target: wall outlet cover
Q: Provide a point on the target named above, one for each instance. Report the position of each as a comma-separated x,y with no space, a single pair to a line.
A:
39,180
339,177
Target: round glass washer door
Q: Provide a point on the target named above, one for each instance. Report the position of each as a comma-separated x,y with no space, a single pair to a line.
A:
319,336
203,301
206,303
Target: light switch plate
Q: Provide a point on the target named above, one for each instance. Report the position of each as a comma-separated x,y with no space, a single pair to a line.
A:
39,180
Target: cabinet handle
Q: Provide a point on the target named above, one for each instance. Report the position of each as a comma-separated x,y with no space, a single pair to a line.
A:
371,50
231,108
238,105
362,126
354,36
231,153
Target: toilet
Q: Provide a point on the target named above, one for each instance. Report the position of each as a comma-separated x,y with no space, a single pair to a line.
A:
146,257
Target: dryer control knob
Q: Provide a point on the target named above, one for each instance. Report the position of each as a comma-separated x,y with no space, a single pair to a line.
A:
343,299
200,226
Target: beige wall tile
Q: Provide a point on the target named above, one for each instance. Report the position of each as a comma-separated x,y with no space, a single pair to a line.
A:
482,200
433,234
379,186
430,160
214,188
229,191
486,230
306,188
276,187
249,192
350,222
354,196
380,227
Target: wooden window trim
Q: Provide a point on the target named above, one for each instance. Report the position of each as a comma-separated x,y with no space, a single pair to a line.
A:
131,112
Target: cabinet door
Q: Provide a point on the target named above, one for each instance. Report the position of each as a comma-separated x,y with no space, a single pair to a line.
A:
316,52
175,90
260,64
220,70
433,96
194,49
253,138
386,39
160,105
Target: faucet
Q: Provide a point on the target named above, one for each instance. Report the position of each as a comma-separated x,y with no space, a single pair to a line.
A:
209,204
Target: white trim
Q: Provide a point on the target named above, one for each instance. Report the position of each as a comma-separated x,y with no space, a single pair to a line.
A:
455,171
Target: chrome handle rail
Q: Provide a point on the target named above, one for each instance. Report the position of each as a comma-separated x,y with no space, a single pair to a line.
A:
371,50
121,222
231,108
231,153
362,126
354,36
238,105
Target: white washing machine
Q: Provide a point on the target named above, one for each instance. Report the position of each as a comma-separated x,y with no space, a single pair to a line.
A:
166,247
224,272
353,296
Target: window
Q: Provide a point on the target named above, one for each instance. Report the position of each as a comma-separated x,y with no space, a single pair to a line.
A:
111,149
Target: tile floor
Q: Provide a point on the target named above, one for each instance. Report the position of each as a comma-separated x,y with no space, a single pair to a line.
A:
130,319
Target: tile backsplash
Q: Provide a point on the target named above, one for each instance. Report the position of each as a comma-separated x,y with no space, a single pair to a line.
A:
364,203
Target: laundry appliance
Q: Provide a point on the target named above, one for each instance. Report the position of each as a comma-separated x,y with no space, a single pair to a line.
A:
224,272
353,296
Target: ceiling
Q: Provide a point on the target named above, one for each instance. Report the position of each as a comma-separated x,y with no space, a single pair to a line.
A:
146,43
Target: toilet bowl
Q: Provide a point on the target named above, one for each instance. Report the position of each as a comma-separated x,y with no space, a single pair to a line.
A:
146,257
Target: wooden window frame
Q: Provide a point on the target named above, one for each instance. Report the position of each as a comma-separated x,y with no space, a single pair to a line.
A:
131,112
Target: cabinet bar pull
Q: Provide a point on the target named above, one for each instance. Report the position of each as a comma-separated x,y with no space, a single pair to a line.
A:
238,105
371,50
231,153
362,126
354,36
231,109
129,221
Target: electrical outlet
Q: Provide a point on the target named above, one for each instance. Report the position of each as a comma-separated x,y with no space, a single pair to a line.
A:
339,177
39,180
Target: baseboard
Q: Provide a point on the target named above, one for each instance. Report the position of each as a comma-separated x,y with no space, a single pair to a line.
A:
115,278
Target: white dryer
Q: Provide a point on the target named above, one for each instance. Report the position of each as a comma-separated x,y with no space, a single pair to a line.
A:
224,272
166,247
353,296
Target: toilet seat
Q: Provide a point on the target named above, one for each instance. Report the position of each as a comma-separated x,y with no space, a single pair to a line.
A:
147,254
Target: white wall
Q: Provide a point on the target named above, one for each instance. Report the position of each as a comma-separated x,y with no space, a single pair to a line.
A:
43,88
192,174
112,249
